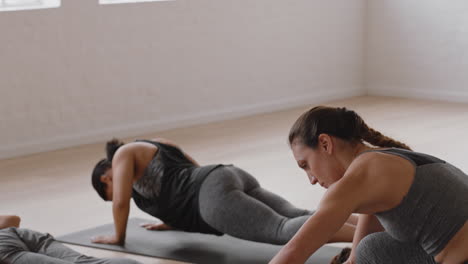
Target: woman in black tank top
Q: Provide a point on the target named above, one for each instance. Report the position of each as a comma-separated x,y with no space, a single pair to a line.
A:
216,199
413,207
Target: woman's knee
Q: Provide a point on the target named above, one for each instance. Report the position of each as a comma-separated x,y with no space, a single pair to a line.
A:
381,248
372,248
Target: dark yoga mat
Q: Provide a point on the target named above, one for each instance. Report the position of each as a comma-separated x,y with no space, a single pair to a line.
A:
189,247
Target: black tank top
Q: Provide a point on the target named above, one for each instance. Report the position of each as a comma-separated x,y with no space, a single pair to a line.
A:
169,189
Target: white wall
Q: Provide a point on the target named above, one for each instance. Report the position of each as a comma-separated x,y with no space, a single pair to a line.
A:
417,48
84,73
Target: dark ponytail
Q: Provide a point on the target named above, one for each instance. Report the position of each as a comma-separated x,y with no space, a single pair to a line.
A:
103,165
111,147
339,122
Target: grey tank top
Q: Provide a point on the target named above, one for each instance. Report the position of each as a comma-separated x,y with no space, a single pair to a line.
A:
435,207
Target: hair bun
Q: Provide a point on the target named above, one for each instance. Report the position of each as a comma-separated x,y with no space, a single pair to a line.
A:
111,147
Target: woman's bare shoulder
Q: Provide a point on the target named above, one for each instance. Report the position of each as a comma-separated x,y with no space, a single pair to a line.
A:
380,180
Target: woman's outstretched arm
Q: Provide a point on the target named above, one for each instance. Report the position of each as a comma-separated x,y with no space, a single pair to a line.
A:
332,214
122,181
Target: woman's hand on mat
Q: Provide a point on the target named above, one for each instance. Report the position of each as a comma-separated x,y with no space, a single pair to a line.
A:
112,240
158,226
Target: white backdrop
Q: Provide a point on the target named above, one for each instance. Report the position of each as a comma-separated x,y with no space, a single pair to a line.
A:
83,73
417,48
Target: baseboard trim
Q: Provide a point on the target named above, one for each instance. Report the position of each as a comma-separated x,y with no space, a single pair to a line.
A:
450,96
142,128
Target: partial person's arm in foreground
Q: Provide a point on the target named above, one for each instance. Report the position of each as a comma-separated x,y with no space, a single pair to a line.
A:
9,221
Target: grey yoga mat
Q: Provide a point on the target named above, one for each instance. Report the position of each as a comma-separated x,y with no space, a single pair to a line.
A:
189,247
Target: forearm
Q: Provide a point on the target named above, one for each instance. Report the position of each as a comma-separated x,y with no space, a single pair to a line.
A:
317,231
120,213
287,255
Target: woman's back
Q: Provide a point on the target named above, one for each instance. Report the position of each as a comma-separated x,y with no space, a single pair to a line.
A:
169,187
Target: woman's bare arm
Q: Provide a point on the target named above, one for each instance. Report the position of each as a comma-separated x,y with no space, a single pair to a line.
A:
123,174
332,214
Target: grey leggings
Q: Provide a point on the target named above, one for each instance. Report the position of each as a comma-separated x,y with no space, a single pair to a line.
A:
232,201
381,248
24,246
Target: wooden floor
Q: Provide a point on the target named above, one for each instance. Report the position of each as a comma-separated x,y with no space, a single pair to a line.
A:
52,191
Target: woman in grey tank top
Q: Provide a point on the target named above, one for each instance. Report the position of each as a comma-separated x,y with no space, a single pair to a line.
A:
413,207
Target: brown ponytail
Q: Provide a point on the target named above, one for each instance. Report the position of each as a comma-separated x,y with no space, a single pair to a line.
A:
339,122
377,139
